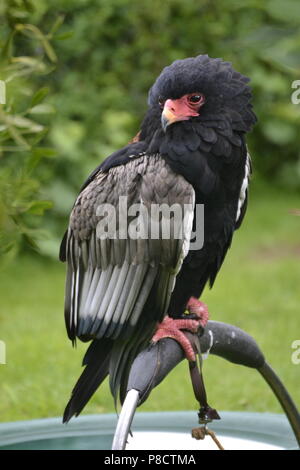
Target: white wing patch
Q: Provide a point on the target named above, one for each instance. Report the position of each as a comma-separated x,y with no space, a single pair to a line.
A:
244,186
188,227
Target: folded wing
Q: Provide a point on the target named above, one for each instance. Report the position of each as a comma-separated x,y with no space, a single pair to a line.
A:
129,232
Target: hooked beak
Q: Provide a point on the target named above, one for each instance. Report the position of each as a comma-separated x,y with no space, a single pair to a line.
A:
175,110
167,118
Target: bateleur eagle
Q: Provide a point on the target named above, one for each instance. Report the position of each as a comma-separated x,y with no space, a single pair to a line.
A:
190,150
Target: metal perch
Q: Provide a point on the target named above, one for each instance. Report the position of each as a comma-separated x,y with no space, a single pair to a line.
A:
227,341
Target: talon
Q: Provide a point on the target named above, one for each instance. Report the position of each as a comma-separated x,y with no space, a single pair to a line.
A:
198,308
171,328
195,316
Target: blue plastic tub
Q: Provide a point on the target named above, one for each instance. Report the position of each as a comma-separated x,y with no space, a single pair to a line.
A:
153,431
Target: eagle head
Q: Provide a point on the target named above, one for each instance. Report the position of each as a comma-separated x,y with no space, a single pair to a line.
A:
199,111
202,89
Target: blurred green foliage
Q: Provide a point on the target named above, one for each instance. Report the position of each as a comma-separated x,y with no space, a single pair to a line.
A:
23,129
107,54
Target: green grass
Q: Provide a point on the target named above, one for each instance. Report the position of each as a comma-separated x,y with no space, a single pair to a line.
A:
257,290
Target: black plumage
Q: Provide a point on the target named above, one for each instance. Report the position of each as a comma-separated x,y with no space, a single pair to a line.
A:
117,290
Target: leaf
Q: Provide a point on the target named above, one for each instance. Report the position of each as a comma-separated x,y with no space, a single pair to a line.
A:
33,161
63,36
24,123
46,152
27,29
38,137
39,96
7,148
26,66
57,24
29,6
18,138
37,154
29,64
44,108
31,61
39,207
31,241
49,49
7,48
33,31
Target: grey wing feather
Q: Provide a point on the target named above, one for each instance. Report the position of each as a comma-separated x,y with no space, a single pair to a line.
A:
109,280
117,289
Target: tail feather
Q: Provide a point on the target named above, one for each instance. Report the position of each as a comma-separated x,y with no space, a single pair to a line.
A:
96,361
123,354
115,357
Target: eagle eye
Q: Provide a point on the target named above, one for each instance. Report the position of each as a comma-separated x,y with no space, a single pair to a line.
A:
196,98
161,101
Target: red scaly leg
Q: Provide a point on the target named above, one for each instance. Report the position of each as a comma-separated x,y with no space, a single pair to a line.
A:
171,327
196,307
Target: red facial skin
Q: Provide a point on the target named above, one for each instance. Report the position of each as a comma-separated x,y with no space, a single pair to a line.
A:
182,109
